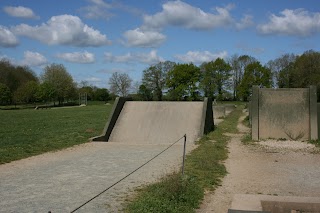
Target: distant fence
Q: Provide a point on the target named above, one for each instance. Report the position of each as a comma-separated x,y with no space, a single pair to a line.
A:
284,113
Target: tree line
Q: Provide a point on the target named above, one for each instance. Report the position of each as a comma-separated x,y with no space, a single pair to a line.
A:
20,85
220,79
230,79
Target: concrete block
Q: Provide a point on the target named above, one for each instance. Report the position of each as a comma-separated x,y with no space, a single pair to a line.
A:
313,113
284,113
255,113
113,117
219,111
318,115
207,117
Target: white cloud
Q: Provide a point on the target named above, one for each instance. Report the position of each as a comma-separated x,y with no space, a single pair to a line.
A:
198,57
140,38
33,59
113,70
292,22
77,57
245,22
7,38
145,58
20,12
98,9
93,79
63,30
246,48
178,13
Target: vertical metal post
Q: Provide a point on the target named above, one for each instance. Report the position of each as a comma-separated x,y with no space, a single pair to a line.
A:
184,152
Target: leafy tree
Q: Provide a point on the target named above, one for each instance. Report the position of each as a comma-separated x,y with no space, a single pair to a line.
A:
5,94
46,92
254,74
101,94
27,93
215,77
238,64
120,84
154,78
61,81
280,68
183,81
144,93
15,76
306,70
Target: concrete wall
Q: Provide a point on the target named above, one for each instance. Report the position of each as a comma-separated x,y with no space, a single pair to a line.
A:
157,122
113,117
229,107
207,124
318,118
284,113
219,111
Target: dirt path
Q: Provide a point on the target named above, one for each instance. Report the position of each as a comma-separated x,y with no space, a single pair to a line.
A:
287,170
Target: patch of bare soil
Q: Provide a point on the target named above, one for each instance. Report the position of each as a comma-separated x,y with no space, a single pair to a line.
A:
279,168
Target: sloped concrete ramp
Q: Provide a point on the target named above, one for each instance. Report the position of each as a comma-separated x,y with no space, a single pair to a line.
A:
157,122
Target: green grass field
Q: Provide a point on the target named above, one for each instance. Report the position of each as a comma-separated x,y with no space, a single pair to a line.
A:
28,132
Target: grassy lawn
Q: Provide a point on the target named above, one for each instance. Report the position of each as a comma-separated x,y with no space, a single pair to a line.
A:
28,132
204,171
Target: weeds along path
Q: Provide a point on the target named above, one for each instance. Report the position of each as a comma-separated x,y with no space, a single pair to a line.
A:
253,169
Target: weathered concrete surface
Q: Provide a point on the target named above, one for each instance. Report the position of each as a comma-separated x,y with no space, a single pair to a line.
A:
254,113
313,113
62,181
229,108
158,122
284,113
114,115
279,204
219,111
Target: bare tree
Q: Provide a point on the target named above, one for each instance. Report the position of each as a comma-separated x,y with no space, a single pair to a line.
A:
120,84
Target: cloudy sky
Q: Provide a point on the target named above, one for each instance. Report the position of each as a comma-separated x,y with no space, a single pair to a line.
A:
94,38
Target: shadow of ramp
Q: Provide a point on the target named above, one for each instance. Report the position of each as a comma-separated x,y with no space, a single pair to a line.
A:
155,122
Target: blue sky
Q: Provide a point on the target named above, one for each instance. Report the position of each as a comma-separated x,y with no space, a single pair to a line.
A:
94,38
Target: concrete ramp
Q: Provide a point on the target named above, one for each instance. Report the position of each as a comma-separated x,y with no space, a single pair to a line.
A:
157,122
154,122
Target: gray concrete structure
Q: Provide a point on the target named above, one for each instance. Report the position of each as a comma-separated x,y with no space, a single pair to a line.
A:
280,204
207,117
318,118
158,122
219,111
229,107
284,113
115,112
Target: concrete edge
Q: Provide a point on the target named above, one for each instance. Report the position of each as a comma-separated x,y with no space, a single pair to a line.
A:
255,113
113,117
207,122
313,113
250,202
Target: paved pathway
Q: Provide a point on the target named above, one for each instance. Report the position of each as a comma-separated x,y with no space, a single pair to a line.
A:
62,181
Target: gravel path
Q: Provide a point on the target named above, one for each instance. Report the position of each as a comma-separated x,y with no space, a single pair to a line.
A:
62,181
289,169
